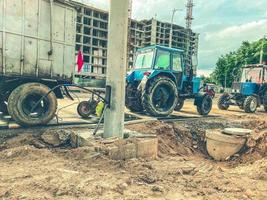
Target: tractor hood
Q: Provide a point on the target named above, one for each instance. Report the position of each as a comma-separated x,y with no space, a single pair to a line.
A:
245,88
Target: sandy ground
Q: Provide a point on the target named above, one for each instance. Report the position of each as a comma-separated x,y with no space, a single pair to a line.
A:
183,169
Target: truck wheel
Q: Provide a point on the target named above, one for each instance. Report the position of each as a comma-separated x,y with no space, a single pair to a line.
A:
87,108
223,102
250,104
160,97
23,99
205,106
179,105
133,98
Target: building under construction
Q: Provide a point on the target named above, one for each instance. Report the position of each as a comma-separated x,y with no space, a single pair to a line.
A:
92,38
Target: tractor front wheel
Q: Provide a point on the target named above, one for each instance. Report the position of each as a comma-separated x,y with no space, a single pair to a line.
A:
223,102
205,105
160,97
250,104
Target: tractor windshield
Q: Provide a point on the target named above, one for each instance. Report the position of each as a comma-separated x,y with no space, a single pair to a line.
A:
254,75
144,60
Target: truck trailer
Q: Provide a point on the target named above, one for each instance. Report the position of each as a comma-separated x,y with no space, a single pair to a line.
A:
37,53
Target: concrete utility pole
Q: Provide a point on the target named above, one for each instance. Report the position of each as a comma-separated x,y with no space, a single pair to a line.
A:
116,71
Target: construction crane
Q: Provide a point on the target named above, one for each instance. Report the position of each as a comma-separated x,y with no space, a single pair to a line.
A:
189,19
129,30
189,14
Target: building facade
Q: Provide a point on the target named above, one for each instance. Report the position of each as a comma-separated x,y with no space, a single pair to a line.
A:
92,39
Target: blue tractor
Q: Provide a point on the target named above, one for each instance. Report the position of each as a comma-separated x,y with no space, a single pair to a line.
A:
250,93
160,82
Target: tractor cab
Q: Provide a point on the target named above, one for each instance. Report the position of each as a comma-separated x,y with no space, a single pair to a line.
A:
155,60
250,92
252,77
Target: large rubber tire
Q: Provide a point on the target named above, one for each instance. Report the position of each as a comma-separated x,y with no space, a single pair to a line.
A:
153,97
133,98
222,102
180,105
205,106
250,104
24,98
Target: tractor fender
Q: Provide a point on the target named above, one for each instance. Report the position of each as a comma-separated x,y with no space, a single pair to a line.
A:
157,73
143,84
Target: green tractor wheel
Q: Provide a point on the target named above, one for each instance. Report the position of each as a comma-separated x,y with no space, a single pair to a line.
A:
250,104
160,97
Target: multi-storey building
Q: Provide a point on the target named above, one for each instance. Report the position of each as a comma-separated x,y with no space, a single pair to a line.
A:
92,38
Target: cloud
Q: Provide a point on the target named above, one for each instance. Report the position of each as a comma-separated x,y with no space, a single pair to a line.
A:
247,30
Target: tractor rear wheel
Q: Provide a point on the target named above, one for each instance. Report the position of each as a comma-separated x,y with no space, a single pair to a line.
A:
133,98
179,105
26,107
160,97
250,104
205,106
223,102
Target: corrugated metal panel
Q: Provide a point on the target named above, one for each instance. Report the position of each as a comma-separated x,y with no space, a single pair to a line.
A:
25,27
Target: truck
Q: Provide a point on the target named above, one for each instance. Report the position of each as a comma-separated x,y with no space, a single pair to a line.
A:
161,81
250,92
37,53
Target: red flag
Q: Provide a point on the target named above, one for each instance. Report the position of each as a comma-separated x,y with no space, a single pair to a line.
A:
80,61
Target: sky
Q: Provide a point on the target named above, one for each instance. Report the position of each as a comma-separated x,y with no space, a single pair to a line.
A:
222,24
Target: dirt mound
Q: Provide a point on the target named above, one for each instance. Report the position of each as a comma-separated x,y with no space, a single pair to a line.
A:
23,140
174,139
